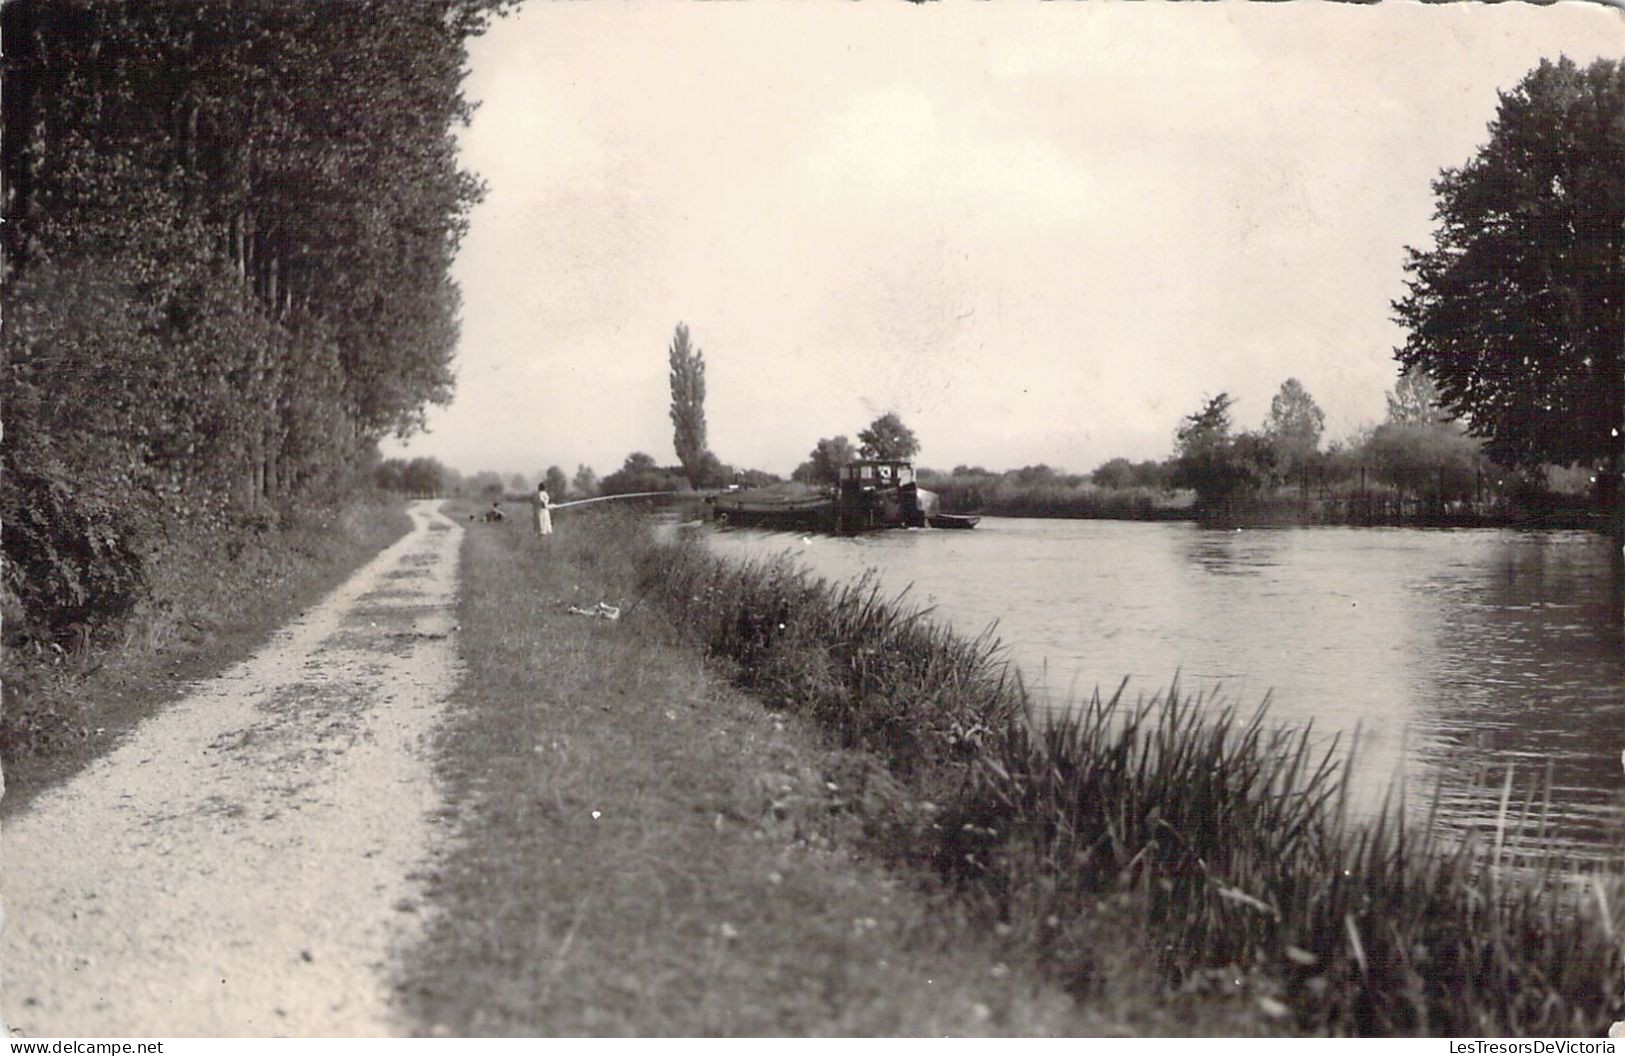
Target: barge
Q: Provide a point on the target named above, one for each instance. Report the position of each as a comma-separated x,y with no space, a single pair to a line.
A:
871,494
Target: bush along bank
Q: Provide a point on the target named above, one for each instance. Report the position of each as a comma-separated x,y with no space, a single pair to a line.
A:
1227,838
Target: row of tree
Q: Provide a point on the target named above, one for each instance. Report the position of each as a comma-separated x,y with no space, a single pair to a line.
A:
228,231
426,478
1417,449
1418,460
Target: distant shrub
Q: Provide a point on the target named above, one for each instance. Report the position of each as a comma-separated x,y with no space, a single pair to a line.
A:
1438,458
641,473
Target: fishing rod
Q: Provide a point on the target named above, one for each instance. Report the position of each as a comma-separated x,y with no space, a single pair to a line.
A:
630,495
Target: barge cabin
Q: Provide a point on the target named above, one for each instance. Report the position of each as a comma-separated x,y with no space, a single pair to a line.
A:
881,493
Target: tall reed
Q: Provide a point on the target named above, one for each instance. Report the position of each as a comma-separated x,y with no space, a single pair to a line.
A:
1230,837
1237,840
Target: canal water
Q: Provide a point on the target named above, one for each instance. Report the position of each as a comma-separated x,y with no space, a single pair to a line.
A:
1450,654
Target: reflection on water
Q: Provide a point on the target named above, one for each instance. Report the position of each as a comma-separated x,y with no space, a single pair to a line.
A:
1450,653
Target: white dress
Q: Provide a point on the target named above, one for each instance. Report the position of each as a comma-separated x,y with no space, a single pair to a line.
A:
544,515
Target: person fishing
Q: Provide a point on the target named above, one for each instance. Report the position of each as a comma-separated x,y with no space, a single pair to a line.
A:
542,504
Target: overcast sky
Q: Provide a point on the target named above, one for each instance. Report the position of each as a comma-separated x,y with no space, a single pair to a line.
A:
1038,233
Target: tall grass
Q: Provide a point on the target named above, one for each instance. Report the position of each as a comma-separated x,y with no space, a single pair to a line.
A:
1237,841
881,676
1229,837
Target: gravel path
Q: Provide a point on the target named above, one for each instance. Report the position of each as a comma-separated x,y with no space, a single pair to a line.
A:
244,864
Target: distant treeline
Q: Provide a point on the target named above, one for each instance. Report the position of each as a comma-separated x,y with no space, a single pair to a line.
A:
1043,491
1345,486
639,473
1417,466
228,228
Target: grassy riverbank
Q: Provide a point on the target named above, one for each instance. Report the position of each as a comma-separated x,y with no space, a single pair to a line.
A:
642,849
1224,839
212,601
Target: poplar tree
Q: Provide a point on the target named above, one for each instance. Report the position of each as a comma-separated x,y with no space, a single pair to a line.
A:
687,375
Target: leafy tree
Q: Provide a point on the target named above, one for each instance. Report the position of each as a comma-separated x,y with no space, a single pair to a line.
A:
585,482
1294,425
1115,473
711,472
1255,464
1207,430
390,475
423,476
313,157
452,482
558,485
1517,311
1421,458
1415,399
1152,473
1121,473
1219,467
888,437
1418,450
823,465
687,377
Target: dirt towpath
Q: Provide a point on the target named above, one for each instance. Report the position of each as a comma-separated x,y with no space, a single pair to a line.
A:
247,862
